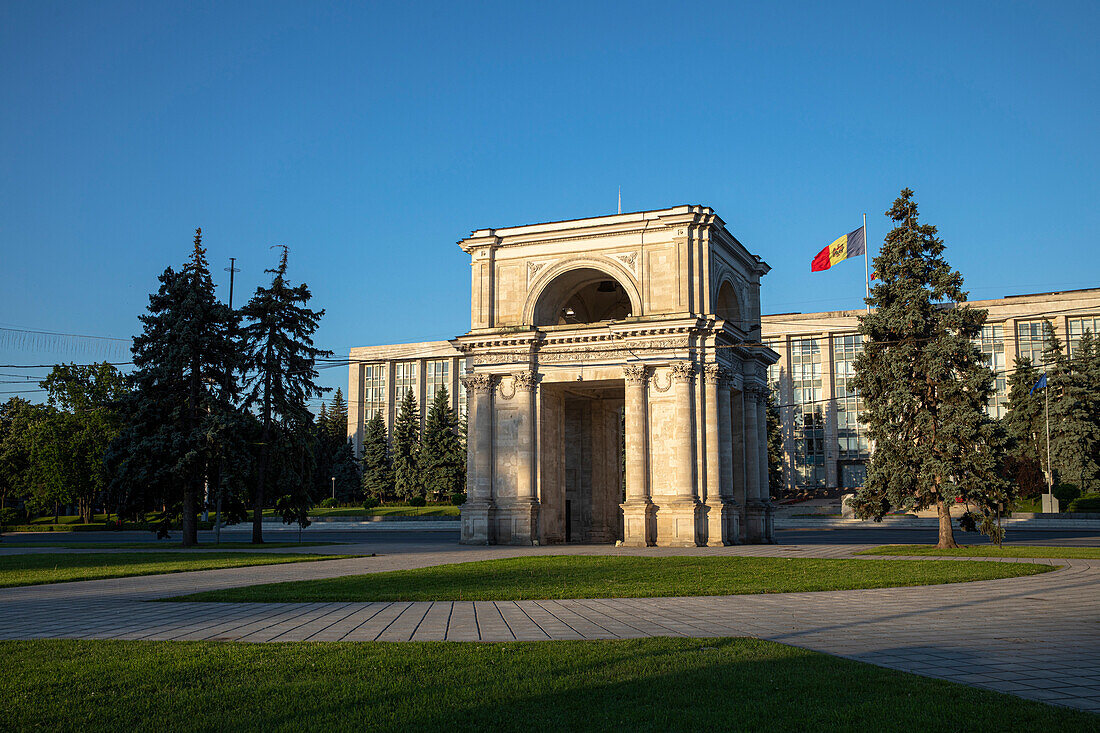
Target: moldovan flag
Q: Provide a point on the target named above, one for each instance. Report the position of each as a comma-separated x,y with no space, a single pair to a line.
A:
851,244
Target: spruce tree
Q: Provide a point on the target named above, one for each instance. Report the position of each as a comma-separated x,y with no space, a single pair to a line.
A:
406,449
924,384
1024,429
377,476
442,461
336,425
183,382
345,469
775,446
279,360
1074,425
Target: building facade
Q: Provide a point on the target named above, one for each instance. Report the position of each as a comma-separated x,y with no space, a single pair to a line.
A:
824,445
615,383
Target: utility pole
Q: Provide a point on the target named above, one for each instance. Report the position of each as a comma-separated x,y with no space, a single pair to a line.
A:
232,270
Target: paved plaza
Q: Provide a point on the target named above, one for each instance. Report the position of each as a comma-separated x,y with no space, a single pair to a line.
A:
1035,636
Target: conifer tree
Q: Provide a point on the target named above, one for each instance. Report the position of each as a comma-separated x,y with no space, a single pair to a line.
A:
345,469
336,425
279,360
183,382
442,461
406,449
775,445
924,384
1074,424
1023,424
377,480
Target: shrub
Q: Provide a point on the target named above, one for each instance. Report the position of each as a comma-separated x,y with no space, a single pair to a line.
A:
9,516
418,501
458,499
329,503
371,502
1066,493
1086,503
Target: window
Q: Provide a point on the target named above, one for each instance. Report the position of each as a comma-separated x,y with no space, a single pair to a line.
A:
809,415
404,379
1030,336
991,343
1077,328
852,444
374,389
436,376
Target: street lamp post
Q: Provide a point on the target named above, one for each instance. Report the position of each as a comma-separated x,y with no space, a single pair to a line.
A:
333,487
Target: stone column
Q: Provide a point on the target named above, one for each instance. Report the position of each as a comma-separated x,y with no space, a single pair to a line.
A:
479,460
522,512
731,510
680,516
639,527
754,507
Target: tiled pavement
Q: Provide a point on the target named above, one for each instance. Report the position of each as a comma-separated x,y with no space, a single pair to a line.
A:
1036,637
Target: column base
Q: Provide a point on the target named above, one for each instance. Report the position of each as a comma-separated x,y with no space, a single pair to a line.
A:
756,531
769,524
516,524
475,524
680,524
723,524
639,524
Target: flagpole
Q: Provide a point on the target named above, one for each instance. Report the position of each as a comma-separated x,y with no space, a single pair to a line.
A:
866,267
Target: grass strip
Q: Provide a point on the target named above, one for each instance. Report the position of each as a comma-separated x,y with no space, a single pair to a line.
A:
39,568
638,684
579,576
1062,553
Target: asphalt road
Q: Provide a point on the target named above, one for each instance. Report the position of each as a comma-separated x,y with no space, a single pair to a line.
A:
433,540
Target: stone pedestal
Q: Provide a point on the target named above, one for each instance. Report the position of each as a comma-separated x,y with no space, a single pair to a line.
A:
678,522
639,523
517,523
475,523
723,523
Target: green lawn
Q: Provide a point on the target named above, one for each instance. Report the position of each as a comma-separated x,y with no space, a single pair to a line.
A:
437,510
579,576
1066,553
38,568
642,685
161,545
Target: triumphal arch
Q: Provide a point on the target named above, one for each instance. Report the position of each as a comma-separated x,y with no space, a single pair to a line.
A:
616,383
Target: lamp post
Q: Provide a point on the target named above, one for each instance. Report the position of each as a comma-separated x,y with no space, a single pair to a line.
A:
334,487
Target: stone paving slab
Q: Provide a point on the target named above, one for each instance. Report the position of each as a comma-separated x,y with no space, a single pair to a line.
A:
1035,637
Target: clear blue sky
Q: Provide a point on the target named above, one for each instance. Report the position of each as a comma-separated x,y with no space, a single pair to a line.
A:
370,139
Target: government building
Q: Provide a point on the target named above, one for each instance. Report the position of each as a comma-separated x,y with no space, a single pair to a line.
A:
823,444
613,378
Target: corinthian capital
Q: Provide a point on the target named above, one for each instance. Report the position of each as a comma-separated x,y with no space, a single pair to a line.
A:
712,373
635,373
478,382
682,371
525,380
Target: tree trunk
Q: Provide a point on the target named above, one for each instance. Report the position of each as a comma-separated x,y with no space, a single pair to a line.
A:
189,534
947,534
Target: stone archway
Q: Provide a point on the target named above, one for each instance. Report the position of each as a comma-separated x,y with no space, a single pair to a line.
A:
595,290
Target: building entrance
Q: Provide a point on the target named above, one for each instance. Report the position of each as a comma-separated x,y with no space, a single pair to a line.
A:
581,475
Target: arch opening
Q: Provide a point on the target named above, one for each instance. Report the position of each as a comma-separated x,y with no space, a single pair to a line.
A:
727,306
584,295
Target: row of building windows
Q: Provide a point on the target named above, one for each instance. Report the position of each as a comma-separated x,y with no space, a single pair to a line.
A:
437,374
804,416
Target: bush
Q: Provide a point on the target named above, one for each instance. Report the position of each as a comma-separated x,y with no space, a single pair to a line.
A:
1086,503
371,502
1066,493
329,503
418,501
458,499
9,516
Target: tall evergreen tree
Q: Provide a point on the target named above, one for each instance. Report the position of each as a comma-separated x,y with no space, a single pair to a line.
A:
406,449
442,460
924,383
1074,421
336,425
183,383
775,445
1023,424
377,470
345,469
281,378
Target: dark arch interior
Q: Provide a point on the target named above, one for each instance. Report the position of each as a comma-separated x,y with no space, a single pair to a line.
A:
584,295
727,306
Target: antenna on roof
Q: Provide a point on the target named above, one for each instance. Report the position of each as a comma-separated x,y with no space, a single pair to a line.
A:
620,199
